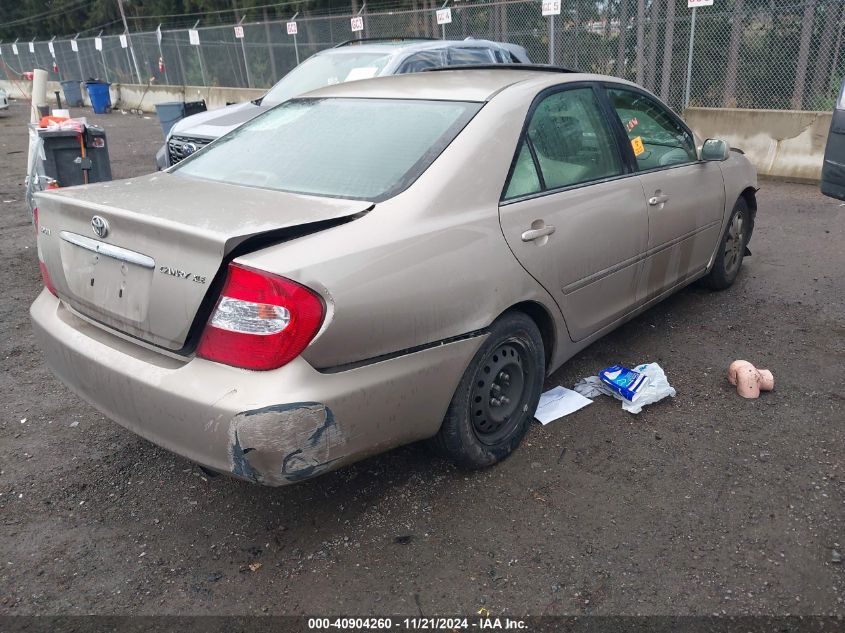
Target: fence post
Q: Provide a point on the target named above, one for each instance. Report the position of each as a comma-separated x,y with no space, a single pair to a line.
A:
689,59
161,53
243,52
443,26
102,54
78,58
295,45
199,55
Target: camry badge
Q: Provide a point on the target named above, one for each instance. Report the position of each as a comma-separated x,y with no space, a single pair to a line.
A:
100,226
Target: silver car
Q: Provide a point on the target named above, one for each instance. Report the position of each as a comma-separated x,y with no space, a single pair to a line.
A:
381,262
352,60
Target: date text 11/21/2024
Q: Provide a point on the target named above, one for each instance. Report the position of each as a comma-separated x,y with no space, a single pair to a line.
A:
483,622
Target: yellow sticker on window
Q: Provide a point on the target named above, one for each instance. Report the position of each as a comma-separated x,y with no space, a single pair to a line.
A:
637,144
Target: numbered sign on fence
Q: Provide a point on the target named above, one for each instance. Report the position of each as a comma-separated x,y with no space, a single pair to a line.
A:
692,4
52,49
291,28
15,49
239,32
98,43
124,43
32,47
357,24
444,16
551,7
194,37
74,46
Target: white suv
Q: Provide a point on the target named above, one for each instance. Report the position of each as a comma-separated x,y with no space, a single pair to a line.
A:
356,59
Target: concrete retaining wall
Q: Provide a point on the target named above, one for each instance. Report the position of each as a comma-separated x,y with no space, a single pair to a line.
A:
783,144
126,96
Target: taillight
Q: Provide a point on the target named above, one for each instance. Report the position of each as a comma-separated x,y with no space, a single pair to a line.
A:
45,276
261,321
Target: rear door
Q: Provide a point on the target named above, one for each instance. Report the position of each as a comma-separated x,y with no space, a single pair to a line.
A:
833,168
685,196
571,213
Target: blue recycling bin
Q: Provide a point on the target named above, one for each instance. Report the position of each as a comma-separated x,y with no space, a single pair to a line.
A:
73,92
98,92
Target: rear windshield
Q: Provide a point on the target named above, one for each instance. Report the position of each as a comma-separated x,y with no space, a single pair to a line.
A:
366,149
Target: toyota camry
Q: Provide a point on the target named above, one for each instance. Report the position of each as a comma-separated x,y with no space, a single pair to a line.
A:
381,262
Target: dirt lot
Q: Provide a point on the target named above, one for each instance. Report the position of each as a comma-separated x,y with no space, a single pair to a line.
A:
703,504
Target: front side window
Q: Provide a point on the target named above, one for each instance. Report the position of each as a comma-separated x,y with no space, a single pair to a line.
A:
657,139
568,143
365,149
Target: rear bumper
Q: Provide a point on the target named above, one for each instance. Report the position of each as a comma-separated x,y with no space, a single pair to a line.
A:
276,427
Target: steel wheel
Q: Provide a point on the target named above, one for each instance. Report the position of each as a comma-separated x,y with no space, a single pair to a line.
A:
731,251
735,243
499,392
495,400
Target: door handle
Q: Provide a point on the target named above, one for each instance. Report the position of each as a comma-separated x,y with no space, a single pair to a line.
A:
534,234
658,199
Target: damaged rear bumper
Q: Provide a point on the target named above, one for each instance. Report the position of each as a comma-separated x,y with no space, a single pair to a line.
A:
276,427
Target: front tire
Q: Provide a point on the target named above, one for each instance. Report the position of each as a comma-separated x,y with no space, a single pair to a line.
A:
731,249
497,396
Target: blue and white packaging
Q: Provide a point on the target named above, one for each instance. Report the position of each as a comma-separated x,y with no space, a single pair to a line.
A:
626,382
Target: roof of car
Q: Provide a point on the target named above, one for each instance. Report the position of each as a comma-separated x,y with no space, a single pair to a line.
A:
380,45
454,84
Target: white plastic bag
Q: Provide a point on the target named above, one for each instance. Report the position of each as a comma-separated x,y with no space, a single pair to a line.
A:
657,389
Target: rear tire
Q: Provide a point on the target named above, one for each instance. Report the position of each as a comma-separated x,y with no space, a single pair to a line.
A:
497,396
731,249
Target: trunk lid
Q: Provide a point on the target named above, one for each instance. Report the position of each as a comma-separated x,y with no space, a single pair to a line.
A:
165,239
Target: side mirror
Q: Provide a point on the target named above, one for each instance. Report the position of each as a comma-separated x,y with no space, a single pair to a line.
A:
715,149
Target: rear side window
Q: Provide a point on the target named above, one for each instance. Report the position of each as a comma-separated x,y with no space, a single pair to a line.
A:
462,56
568,143
657,139
422,61
365,149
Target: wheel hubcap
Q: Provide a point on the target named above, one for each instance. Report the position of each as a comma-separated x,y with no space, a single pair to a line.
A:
735,243
499,392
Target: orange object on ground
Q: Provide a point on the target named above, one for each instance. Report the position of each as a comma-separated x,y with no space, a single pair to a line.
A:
45,121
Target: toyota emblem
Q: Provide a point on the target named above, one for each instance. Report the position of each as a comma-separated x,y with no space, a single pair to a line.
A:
100,226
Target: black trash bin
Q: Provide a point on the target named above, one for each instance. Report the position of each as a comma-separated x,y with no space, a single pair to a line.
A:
64,161
194,107
169,112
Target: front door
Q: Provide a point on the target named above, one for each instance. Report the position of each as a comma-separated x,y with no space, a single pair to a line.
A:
685,196
573,218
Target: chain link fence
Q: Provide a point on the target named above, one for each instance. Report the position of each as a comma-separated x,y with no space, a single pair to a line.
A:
760,54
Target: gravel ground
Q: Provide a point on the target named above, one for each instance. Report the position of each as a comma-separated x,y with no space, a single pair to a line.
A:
703,504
